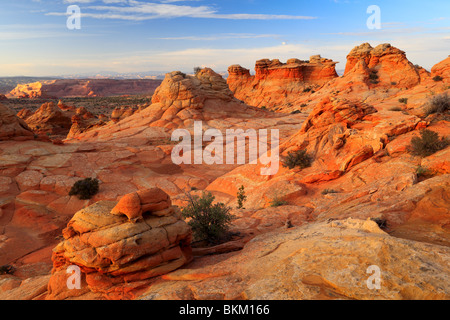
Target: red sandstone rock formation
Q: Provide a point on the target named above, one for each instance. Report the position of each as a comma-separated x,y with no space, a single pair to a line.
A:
384,65
276,83
362,170
12,127
115,255
442,69
122,113
50,119
24,113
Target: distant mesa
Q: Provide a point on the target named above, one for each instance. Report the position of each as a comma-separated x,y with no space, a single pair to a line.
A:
84,88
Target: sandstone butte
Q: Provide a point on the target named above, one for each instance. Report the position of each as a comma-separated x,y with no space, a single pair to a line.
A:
130,242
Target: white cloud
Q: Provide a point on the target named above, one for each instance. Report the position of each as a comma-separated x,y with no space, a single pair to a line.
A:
221,37
139,11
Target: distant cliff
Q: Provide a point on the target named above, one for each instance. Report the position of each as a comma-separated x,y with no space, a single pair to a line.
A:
84,88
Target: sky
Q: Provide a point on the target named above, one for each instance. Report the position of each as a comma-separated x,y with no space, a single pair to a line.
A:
129,36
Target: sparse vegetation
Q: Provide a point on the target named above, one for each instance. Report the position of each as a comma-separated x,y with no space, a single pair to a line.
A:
438,78
85,189
373,77
296,112
197,70
382,223
327,191
427,144
424,173
241,197
307,90
7,269
438,104
403,100
298,158
277,202
395,109
208,221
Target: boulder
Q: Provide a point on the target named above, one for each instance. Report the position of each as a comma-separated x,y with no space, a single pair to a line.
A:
115,253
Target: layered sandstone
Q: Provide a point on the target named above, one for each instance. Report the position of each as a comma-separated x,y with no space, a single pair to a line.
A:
276,83
383,64
179,102
49,118
116,254
327,260
84,88
442,69
13,127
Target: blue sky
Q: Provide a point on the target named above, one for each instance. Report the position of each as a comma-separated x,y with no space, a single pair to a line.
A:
165,35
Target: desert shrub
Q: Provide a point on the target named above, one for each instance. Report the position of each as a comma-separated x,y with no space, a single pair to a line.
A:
438,78
277,202
327,191
307,90
303,105
208,221
382,223
424,173
296,112
438,104
241,197
427,144
197,70
393,83
297,159
7,269
403,100
395,109
85,189
373,76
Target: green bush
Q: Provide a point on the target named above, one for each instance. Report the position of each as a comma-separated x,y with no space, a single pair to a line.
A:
241,197
208,221
85,189
438,104
7,269
438,78
297,159
327,191
277,202
373,75
424,173
197,70
427,144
